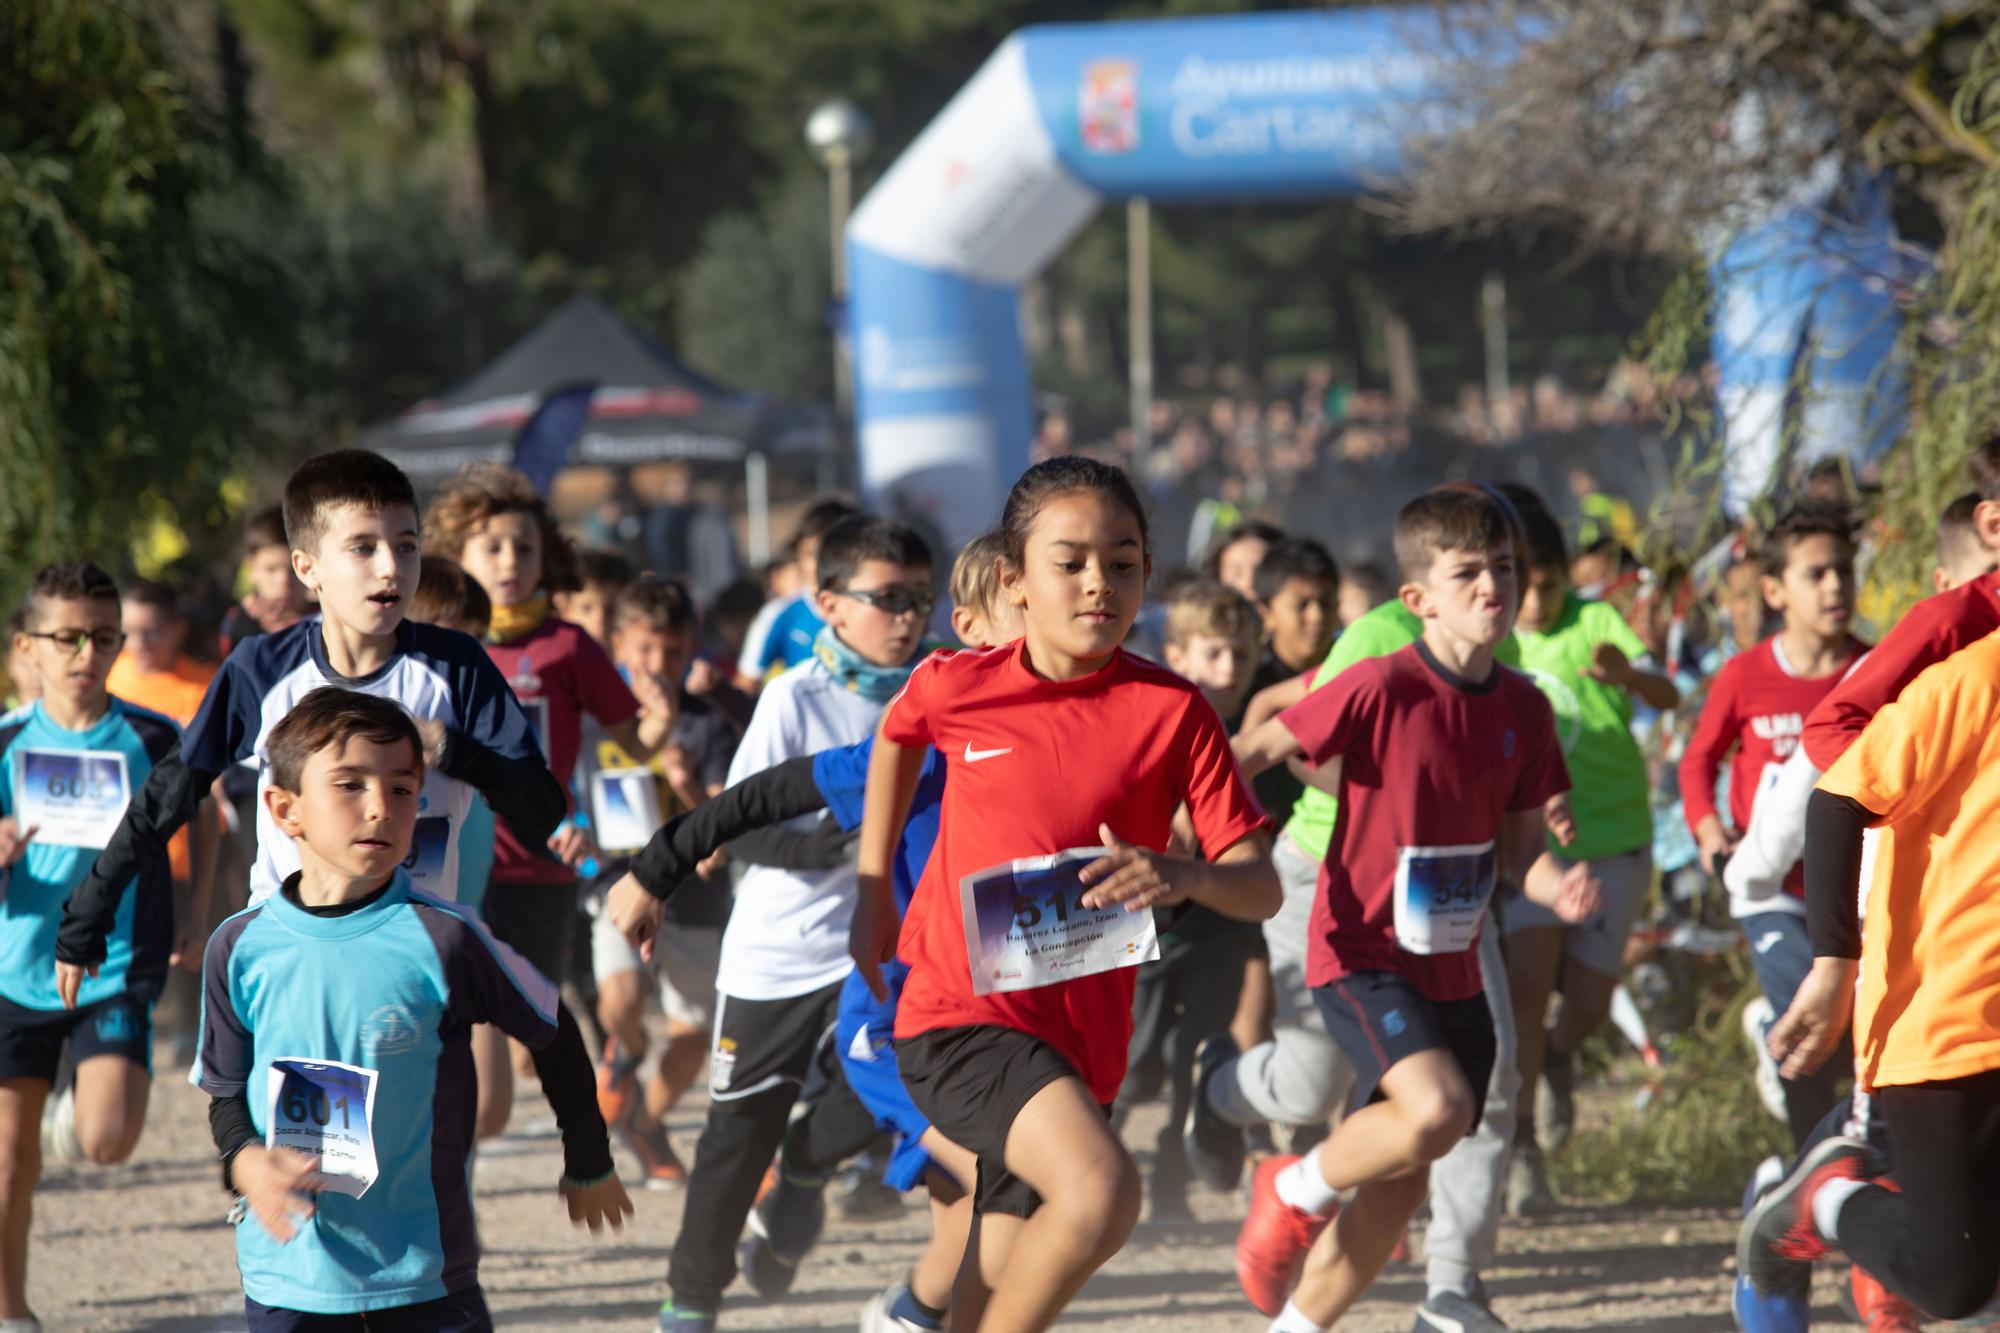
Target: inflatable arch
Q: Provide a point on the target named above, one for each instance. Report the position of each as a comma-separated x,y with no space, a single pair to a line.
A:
1246,107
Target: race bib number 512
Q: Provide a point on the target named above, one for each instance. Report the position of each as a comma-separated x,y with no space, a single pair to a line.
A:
1026,925
325,1110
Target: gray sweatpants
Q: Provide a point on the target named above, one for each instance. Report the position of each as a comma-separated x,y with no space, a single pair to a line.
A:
1299,1077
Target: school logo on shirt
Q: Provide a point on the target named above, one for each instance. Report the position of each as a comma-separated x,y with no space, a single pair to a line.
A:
1566,706
1782,730
1507,743
390,1030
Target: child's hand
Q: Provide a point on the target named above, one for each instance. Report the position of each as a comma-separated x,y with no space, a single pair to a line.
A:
871,933
69,980
652,697
1560,819
14,840
431,732
1820,1013
1577,894
636,913
1716,845
1130,875
702,678
594,1205
275,1183
1610,665
573,845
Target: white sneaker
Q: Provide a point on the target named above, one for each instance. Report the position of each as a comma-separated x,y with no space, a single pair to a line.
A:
1757,1019
20,1326
59,1140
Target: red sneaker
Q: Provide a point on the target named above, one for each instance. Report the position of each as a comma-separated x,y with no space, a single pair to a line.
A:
1271,1247
660,1167
1879,1309
1779,1241
616,1082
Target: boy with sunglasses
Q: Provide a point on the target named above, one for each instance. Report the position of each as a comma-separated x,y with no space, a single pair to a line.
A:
69,763
784,955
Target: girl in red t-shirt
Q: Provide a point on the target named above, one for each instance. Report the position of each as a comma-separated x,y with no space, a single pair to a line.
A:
494,524
1059,741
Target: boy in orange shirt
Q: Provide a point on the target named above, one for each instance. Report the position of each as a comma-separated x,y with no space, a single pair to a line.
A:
1927,771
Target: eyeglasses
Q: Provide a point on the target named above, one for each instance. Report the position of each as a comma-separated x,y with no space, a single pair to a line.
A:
894,600
107,640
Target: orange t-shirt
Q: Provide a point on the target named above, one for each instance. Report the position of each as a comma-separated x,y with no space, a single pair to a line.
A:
1929,764
177,693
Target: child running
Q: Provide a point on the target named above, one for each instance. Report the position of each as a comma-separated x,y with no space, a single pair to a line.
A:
352,519
1061,741
1446,763
864,1034
1756,708
335,1044
1926,770
69,762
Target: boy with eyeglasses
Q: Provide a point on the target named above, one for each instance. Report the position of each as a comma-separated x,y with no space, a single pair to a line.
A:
69,763
784,952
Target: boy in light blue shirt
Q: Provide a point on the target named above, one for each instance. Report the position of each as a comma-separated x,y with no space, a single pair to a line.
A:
336,1018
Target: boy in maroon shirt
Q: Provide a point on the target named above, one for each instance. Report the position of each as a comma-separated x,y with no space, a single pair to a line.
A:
1446,761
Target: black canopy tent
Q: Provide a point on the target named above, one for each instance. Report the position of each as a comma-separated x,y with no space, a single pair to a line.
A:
649,406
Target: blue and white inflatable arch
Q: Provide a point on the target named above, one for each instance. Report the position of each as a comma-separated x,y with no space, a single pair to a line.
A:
1265,106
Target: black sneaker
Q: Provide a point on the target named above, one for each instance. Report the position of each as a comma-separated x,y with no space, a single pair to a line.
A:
1214,1146
1451,1312
1555,1111
783,1230
1779,1239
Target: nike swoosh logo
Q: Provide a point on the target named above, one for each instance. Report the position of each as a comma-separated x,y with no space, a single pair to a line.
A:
973,756
1767,941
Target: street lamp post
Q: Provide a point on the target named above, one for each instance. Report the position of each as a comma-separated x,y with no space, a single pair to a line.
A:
840,135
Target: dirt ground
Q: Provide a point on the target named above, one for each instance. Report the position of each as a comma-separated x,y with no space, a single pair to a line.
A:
144,1246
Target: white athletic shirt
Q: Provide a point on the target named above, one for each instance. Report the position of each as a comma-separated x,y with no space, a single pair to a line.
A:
787,934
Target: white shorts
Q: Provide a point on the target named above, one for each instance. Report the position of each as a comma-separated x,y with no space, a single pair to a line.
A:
684,958
1598,943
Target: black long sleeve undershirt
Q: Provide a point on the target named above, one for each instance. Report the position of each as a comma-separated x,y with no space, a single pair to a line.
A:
521,791
1834,825
782,791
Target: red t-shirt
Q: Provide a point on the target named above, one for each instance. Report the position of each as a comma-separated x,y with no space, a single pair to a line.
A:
1758,706
1034,767
1931,631
1431,764
558,673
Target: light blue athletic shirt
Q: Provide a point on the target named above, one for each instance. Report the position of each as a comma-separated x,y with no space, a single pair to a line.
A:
394,987
37,886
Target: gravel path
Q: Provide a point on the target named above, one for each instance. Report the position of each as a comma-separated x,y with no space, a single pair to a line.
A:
144,1247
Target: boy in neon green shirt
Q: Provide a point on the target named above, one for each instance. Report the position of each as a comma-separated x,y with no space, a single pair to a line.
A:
1590,664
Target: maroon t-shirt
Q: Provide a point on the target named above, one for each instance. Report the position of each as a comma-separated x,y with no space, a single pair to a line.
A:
558,673
1431,766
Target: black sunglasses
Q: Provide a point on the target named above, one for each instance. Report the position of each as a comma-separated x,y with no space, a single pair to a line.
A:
107,640
894,600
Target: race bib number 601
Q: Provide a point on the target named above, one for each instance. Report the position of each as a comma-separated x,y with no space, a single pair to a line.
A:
325,1110
1026,925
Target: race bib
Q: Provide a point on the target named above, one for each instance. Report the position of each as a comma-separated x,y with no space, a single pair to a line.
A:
1441,894
324,1110
625,807
1026,926
73,798
429,842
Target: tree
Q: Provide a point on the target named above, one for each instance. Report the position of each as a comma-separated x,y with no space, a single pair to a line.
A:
140,342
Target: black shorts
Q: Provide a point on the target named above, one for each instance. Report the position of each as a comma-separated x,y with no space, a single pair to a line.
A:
460,1312
31,1040
971,1083
536,921
1379,1018
762,1044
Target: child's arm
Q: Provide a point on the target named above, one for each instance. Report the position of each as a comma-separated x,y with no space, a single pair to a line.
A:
1272,700
669,859
191,912
893,773
1805,1035
1572,893
1265,747
1715,733
1610,665
1239,882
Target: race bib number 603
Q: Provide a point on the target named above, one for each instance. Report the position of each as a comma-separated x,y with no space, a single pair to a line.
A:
1026,925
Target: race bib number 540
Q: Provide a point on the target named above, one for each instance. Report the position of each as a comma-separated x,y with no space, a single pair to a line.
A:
326,1111
1026,925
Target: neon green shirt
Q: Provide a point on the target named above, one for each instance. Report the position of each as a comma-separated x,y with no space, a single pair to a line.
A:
1382,631
1607,774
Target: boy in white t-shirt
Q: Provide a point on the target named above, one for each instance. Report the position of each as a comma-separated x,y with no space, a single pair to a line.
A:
785,952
